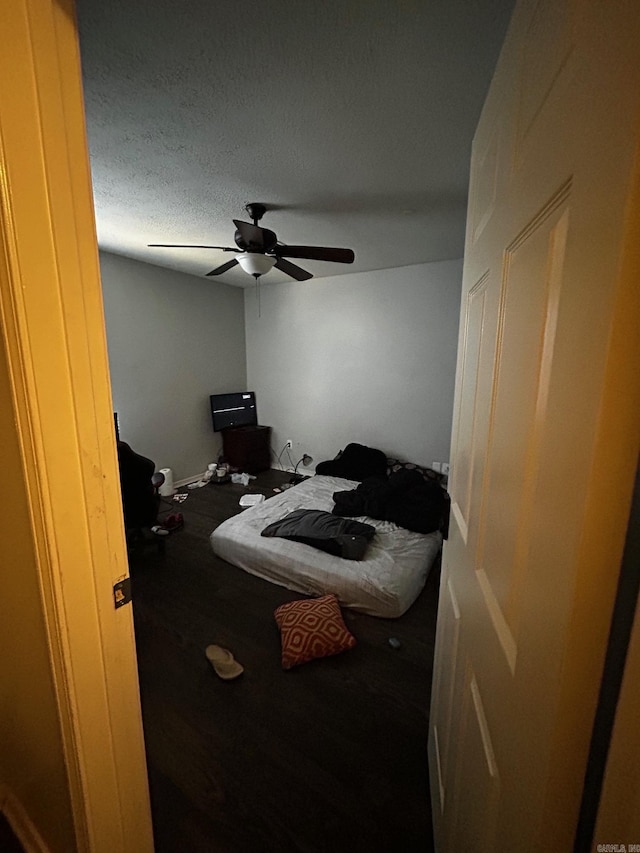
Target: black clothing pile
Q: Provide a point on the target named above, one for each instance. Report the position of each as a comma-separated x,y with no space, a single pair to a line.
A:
405,498
355,462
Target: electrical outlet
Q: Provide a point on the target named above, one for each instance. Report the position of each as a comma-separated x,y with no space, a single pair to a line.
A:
444,468
288,444
435,466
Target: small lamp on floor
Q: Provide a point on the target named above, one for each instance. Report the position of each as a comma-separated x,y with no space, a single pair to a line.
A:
306,460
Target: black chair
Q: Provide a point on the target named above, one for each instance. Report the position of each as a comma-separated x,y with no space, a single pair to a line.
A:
140,499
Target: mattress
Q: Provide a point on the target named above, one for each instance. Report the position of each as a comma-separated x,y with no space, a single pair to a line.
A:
385,583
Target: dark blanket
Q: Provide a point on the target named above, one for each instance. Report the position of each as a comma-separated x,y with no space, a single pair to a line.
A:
337,536
355,462
404,497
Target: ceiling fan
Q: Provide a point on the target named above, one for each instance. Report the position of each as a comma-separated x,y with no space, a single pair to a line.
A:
259,250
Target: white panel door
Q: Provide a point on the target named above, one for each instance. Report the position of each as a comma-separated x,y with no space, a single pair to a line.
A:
545,430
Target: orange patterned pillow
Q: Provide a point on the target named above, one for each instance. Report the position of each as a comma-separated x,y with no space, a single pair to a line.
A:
312,628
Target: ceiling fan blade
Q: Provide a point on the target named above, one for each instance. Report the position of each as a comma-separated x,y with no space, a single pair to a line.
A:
188,246
291,269
219,270
316,253
253,238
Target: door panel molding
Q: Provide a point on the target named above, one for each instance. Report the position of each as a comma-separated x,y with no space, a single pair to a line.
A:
500,625
547,48
465,449
524,348
447,679
483,726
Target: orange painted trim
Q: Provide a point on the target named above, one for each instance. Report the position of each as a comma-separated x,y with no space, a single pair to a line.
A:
53,329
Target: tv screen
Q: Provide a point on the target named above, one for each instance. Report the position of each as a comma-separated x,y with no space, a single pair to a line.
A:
233,410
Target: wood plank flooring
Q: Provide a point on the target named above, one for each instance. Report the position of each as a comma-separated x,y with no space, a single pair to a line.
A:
330,756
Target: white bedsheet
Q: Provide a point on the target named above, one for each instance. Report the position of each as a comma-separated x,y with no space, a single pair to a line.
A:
385,583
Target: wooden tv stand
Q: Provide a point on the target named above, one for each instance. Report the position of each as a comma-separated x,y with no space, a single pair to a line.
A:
247,448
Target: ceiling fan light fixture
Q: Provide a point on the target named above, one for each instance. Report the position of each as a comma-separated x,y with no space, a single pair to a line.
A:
260,250
254,263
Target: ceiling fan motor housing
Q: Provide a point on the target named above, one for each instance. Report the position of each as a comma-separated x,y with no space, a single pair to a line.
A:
253,238
255,210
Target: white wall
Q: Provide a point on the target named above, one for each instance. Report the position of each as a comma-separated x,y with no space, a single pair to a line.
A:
366,357
173,340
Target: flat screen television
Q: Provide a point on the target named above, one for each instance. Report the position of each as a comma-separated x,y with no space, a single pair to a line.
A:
233,410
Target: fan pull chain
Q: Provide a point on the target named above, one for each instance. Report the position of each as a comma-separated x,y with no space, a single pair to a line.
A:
258,293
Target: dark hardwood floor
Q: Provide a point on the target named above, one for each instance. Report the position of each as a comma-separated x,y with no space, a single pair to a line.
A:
330,756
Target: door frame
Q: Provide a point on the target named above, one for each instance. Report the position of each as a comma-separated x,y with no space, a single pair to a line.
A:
54,333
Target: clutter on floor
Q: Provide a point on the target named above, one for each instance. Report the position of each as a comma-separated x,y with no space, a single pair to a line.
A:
242,479
251,500
172,522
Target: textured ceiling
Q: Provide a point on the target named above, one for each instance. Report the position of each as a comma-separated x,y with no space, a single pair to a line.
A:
351,119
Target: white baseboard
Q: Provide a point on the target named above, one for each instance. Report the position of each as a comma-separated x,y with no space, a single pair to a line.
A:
23,827
288,469
186,480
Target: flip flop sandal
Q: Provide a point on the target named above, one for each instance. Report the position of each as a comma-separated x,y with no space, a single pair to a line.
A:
223,662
